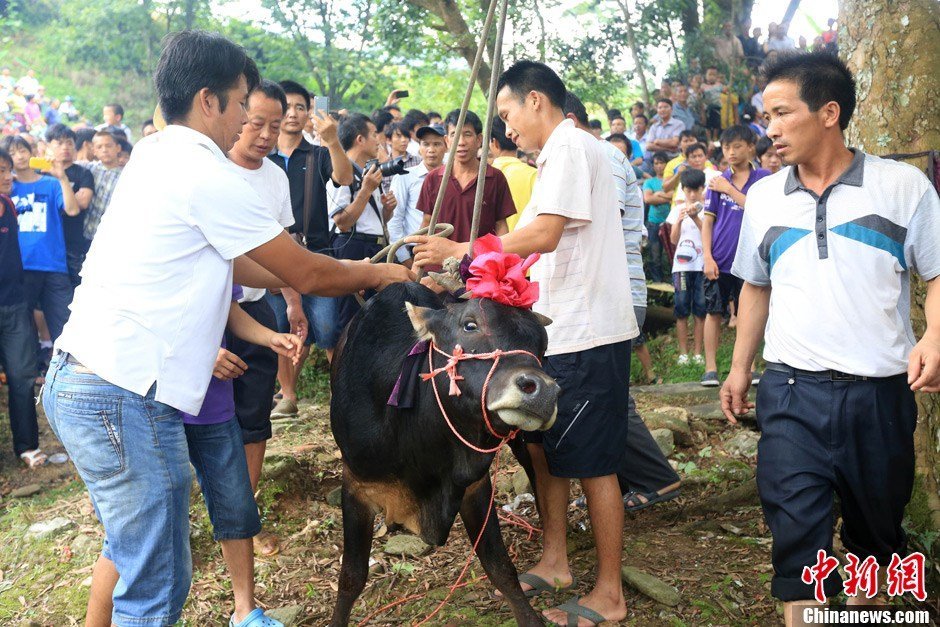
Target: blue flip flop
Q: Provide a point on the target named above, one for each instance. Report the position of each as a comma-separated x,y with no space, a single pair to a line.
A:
574,610
255,619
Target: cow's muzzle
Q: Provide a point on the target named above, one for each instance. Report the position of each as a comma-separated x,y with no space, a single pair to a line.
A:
525,398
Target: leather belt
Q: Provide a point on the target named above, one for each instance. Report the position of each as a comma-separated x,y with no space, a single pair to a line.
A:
378,240
831,375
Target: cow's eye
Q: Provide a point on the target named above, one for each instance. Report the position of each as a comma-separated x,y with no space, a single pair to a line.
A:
469,326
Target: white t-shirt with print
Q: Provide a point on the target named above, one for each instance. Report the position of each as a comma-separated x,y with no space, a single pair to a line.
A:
582,284
271,184
688,256
157,283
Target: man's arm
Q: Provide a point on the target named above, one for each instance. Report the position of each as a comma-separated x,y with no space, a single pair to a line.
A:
311,273
70,204
347,217
753,309
326,127
250,330
250,274
923,370
83,197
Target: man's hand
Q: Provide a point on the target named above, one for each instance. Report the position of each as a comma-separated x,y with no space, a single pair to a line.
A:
325,126
392,98
711,269
733,394
372,180
287,345
228,366
298,322
388,273
434,250
721,185
389,202
923,366
58,171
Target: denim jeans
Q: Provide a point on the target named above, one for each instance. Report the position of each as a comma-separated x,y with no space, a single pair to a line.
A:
321,313
52,292
218,455
18,357
131,452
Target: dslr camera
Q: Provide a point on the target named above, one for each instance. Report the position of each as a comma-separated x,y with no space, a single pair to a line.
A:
389,168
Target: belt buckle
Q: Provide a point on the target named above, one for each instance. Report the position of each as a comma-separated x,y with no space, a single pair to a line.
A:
835,375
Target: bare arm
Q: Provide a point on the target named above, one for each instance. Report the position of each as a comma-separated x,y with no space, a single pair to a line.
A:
250,274
346,219
923,370
711,268
246,328
501,228
753,310
84,196
675,230
327,130
311,273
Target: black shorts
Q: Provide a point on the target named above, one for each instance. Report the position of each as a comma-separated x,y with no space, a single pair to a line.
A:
254,389
589,436
720,292
713,118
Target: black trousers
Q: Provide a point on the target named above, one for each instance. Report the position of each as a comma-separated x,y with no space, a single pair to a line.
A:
643,468
345,247
254,389
821,437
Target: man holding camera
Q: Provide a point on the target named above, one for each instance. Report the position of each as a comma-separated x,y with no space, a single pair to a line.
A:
358,212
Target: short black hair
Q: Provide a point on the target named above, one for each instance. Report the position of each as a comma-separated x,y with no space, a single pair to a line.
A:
116,109
381,118
124,145
293,87
413,118
684,134
692,179
148,122
526,76
194,60
821,76
595,124
59,132
613,113
392,106
666,100
499,135
640,104
659,155
434,114
272,90
693,147
6,158
574,106
622,139
640,115
401,127
711,67
118,132
472,120
11,142
617,117
82,136
737,133
762,146
352,127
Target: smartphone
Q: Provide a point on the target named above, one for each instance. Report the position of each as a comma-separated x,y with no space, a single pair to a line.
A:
321,103
40,163
402,93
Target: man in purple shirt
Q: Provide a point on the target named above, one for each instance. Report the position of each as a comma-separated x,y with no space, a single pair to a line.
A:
721,226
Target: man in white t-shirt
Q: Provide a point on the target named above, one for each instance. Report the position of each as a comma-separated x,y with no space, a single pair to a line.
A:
571,220
147,323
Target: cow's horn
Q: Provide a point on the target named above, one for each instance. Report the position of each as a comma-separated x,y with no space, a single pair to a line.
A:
448,281
543,320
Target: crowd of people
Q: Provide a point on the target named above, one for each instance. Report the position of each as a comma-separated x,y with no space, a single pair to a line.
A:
175,322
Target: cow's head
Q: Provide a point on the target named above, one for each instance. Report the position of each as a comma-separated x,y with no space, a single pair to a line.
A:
520,394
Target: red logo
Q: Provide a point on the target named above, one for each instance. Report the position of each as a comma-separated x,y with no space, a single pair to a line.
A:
902,575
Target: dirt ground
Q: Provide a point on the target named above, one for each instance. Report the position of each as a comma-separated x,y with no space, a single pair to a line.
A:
714,551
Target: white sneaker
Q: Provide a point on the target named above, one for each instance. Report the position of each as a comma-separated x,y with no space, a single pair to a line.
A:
683,359
698,359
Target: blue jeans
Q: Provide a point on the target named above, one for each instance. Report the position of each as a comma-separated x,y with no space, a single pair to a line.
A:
130,451
218,455
18,357
321,313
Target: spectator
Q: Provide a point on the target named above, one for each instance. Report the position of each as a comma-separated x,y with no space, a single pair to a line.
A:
148,128
33,113
41,200
597,129
395,112
688,264
658,202
84,144
434,118
411,123
113,115
124,151
28,83
381,118
663,134
695,159
17,334
758,98
407,218
680,107
457,208
106,170
831,38
721,227
6,80
618,125
637,108
675,165
398,136
750,118
777,39
519,175
729,107
711,98
750,44
728,48
630,148
358,212
52,114
767,155
639,135
62,142
314,315
68,110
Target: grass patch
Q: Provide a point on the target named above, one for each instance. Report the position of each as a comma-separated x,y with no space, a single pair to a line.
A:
314,380
664,350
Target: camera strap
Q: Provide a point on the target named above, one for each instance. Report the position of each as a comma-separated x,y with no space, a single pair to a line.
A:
354,188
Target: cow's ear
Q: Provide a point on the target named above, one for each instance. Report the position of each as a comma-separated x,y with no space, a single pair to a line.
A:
421,319
543,320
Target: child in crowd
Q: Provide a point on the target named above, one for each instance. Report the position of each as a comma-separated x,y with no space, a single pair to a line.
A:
688,263
767,155
658,202
695,159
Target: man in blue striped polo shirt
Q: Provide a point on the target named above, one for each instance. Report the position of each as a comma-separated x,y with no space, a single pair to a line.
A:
826,250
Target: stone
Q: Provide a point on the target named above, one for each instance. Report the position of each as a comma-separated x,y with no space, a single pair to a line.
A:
504,484
406,545
289,615
48,528
676,419
26,491
521,483
743,444
325,459
335,497
83,543
647,584
665,440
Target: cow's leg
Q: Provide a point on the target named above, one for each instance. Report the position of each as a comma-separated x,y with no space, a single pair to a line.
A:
492,551
521,452
358,522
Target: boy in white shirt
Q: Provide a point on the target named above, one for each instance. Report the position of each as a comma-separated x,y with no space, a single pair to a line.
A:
688,263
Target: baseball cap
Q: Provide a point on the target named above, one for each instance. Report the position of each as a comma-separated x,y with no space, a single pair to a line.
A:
433,128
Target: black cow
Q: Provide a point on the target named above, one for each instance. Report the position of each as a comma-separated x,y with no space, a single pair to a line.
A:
407,463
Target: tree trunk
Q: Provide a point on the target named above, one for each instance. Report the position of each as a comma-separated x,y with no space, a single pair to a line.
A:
790,12
466,43
631,41
893,47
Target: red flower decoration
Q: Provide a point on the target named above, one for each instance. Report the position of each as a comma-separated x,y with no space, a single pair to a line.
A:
501,276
